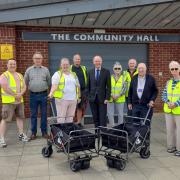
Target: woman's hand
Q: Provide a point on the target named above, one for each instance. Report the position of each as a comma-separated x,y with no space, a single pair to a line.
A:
50,96
171,105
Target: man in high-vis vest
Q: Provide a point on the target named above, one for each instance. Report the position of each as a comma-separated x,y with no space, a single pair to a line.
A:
171,98
118,90
81,73
130,73
12,89
66,91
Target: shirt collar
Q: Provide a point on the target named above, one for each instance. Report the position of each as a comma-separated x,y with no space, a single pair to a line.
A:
141,77
37,66
98,69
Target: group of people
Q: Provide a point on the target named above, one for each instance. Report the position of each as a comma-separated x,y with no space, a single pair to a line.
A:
73,87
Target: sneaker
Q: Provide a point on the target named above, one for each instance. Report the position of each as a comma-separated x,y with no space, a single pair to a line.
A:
177,153
2,142
171,150
23,137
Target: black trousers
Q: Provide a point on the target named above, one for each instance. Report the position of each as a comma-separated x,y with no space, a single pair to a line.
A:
140,110
99,113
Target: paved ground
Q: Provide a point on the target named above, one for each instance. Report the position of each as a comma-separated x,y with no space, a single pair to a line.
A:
25,162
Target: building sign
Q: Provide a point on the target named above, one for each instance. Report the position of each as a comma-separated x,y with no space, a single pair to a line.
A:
6,51
112,38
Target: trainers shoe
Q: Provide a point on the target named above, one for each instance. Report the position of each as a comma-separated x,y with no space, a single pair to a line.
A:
171,150
177,153
23,137
2,142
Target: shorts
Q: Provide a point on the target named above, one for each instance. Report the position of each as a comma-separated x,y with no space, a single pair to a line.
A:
9,110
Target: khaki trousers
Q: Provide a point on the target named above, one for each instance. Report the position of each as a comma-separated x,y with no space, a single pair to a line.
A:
65,110
173,130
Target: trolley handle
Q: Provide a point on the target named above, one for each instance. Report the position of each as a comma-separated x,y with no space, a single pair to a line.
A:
51,105
146,117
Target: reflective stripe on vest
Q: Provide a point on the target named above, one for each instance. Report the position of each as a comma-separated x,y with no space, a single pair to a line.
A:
84,73
7,98
59,92
173,96
116,88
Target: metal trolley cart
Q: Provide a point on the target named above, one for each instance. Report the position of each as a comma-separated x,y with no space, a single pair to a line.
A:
119,141
78,144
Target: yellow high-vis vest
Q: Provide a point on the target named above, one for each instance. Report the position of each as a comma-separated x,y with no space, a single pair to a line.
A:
173,96
7,98
116,89
129,80
59,92
84,73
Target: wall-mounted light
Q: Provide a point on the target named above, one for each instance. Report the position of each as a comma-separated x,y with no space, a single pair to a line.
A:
100,31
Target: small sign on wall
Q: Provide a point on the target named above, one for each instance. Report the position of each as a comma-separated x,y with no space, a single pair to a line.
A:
6,51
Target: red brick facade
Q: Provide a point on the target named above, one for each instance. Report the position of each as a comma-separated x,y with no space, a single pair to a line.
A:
159,54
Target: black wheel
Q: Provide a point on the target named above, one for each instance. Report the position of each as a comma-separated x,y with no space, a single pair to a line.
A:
110,162
75,166
47,151
145,153
85,164
120,164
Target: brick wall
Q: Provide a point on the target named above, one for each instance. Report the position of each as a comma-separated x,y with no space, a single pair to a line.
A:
7,35
159,55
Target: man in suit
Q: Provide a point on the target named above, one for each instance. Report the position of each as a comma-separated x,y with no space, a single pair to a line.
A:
99,90
142,93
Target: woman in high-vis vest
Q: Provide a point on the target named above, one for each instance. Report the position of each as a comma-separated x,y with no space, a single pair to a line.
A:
118,90
66,91
171,98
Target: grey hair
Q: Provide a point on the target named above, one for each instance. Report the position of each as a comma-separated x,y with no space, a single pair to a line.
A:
65,60
117,64
175,63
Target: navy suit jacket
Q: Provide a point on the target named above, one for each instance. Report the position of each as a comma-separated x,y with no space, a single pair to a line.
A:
150,91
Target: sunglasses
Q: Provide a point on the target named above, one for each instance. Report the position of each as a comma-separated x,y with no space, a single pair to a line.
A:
174,69
117,68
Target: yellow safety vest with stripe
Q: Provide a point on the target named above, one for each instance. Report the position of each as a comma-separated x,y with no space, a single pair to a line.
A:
116,89
129,80
7,98
84,73
173,96
59,92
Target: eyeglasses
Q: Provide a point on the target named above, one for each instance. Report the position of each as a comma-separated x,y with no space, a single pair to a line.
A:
174,69
117,68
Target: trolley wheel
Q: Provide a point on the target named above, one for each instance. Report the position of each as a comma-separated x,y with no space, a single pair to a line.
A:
120,164
110,162
47,151
144,153
75,166
85,164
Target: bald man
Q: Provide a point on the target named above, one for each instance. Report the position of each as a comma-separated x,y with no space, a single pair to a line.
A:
130,73
142,93
12,90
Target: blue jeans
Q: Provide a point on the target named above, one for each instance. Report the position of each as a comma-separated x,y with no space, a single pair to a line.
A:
36,101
